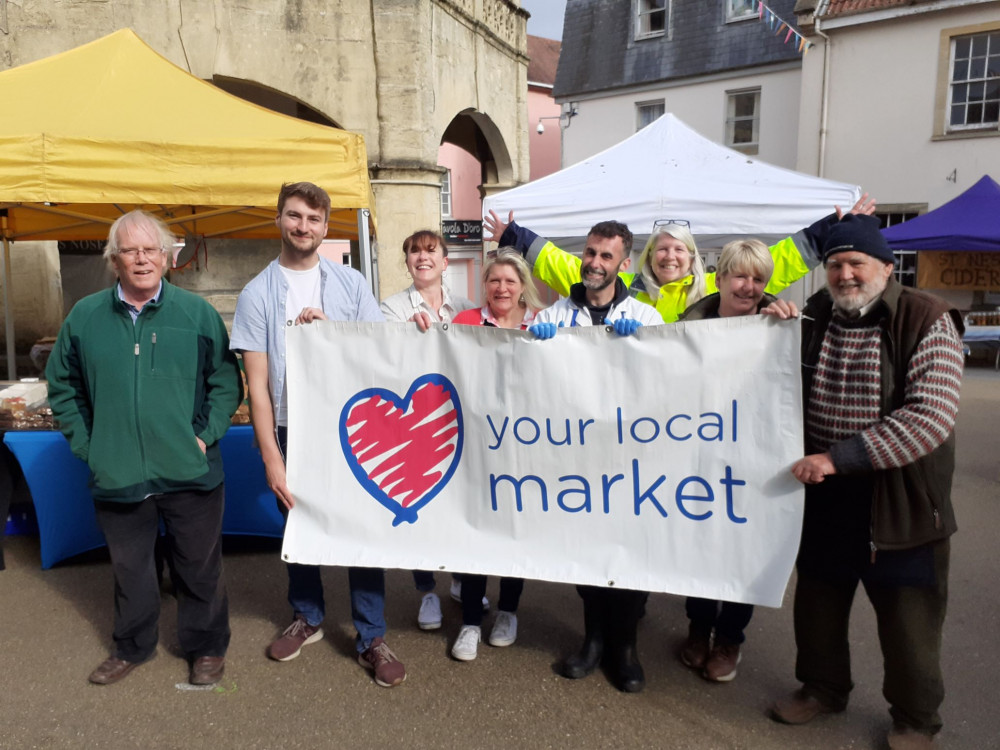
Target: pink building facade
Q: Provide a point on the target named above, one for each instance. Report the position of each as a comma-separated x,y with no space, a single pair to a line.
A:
461,201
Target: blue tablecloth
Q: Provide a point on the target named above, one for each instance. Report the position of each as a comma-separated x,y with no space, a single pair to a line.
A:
67,525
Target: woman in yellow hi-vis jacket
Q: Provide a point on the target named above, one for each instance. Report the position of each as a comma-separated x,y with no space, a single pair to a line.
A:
671,273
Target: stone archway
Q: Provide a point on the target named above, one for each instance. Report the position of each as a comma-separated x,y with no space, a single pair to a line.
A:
473,154
272,99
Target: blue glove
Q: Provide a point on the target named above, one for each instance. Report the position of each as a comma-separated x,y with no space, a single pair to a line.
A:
543,330
626,326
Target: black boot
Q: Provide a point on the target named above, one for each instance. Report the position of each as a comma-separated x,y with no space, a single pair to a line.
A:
623,664
583,663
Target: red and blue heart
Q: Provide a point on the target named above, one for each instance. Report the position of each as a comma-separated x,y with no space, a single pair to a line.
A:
403,451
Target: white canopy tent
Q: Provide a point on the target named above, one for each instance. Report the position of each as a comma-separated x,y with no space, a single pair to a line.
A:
668,171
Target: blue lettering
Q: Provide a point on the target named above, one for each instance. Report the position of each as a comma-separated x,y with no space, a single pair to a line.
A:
548,431
584,423
533,424
606,483
655,430
647,494
682,498
728,482
716,424
670,427
584,490
498,435
516,483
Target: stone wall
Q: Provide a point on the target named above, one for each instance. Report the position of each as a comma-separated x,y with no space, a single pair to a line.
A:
399,72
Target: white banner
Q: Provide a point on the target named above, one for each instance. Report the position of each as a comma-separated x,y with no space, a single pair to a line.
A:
657,462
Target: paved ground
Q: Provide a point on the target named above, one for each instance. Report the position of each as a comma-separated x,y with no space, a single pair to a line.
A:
55,627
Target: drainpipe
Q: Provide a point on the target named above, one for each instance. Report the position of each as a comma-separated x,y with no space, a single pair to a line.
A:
825,96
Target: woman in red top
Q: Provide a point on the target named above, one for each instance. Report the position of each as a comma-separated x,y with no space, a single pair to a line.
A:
511,302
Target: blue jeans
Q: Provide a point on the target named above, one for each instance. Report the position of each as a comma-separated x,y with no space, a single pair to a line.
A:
367,587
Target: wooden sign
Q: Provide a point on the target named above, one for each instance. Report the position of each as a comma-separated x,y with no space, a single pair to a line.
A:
958,270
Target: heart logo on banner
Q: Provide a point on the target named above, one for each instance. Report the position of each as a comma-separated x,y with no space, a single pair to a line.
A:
404,450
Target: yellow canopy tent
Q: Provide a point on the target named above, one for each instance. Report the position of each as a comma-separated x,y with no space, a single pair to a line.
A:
92,133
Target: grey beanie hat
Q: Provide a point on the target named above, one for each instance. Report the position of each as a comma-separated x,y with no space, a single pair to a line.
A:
860,234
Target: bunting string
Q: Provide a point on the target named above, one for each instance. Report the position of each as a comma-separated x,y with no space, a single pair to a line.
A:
776,24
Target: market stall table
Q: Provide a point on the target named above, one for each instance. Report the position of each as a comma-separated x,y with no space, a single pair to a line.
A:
67,525
988,336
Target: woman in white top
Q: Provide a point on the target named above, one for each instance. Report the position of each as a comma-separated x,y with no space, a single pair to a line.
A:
427,301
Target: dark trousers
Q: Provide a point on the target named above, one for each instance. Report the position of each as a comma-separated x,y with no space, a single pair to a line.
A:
909,591
474,589
615,613
728,619
193,523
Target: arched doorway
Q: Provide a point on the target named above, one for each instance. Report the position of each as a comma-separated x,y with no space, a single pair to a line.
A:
472,154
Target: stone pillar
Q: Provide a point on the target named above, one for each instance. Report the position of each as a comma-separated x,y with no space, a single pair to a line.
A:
410,198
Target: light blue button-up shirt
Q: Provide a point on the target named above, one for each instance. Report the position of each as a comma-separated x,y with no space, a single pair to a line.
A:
132,309
259,322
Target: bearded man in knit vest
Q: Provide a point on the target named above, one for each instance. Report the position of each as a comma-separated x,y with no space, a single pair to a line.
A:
882,367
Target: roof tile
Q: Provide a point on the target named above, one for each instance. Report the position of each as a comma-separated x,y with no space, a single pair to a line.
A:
544,59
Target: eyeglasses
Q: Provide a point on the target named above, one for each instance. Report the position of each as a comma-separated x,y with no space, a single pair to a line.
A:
667,222
133,252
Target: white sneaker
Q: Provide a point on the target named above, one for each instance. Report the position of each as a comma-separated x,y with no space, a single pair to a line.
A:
504,631
429,617
456,593
467,644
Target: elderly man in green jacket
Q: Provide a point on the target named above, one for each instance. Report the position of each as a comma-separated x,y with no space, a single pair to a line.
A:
143,385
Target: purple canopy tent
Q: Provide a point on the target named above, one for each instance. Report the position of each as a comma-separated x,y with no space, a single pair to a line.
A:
970,222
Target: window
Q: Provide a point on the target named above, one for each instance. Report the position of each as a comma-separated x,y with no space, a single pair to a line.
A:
446,195
743,120
650,18
740,10
974,89
646,112
905,270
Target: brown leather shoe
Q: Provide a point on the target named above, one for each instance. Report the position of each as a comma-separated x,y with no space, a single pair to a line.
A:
207,670
111,670
696,648
902,737
800,708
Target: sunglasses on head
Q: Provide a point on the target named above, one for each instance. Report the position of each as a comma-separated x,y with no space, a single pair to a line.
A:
667,222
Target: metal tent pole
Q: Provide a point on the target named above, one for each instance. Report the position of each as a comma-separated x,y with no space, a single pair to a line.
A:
369,263
8,317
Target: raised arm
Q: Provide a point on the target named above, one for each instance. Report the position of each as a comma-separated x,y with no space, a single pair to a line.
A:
797,255
553,266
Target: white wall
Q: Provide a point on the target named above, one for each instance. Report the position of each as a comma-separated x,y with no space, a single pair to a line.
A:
603,122
880,131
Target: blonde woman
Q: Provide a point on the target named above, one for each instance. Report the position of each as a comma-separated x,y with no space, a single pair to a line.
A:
511,301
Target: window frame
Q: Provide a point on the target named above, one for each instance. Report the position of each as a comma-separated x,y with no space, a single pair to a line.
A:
642,12
889,215
734,16
943,92
446,195
732,119
648,104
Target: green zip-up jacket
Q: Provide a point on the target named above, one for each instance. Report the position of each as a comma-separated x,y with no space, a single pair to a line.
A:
132,398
